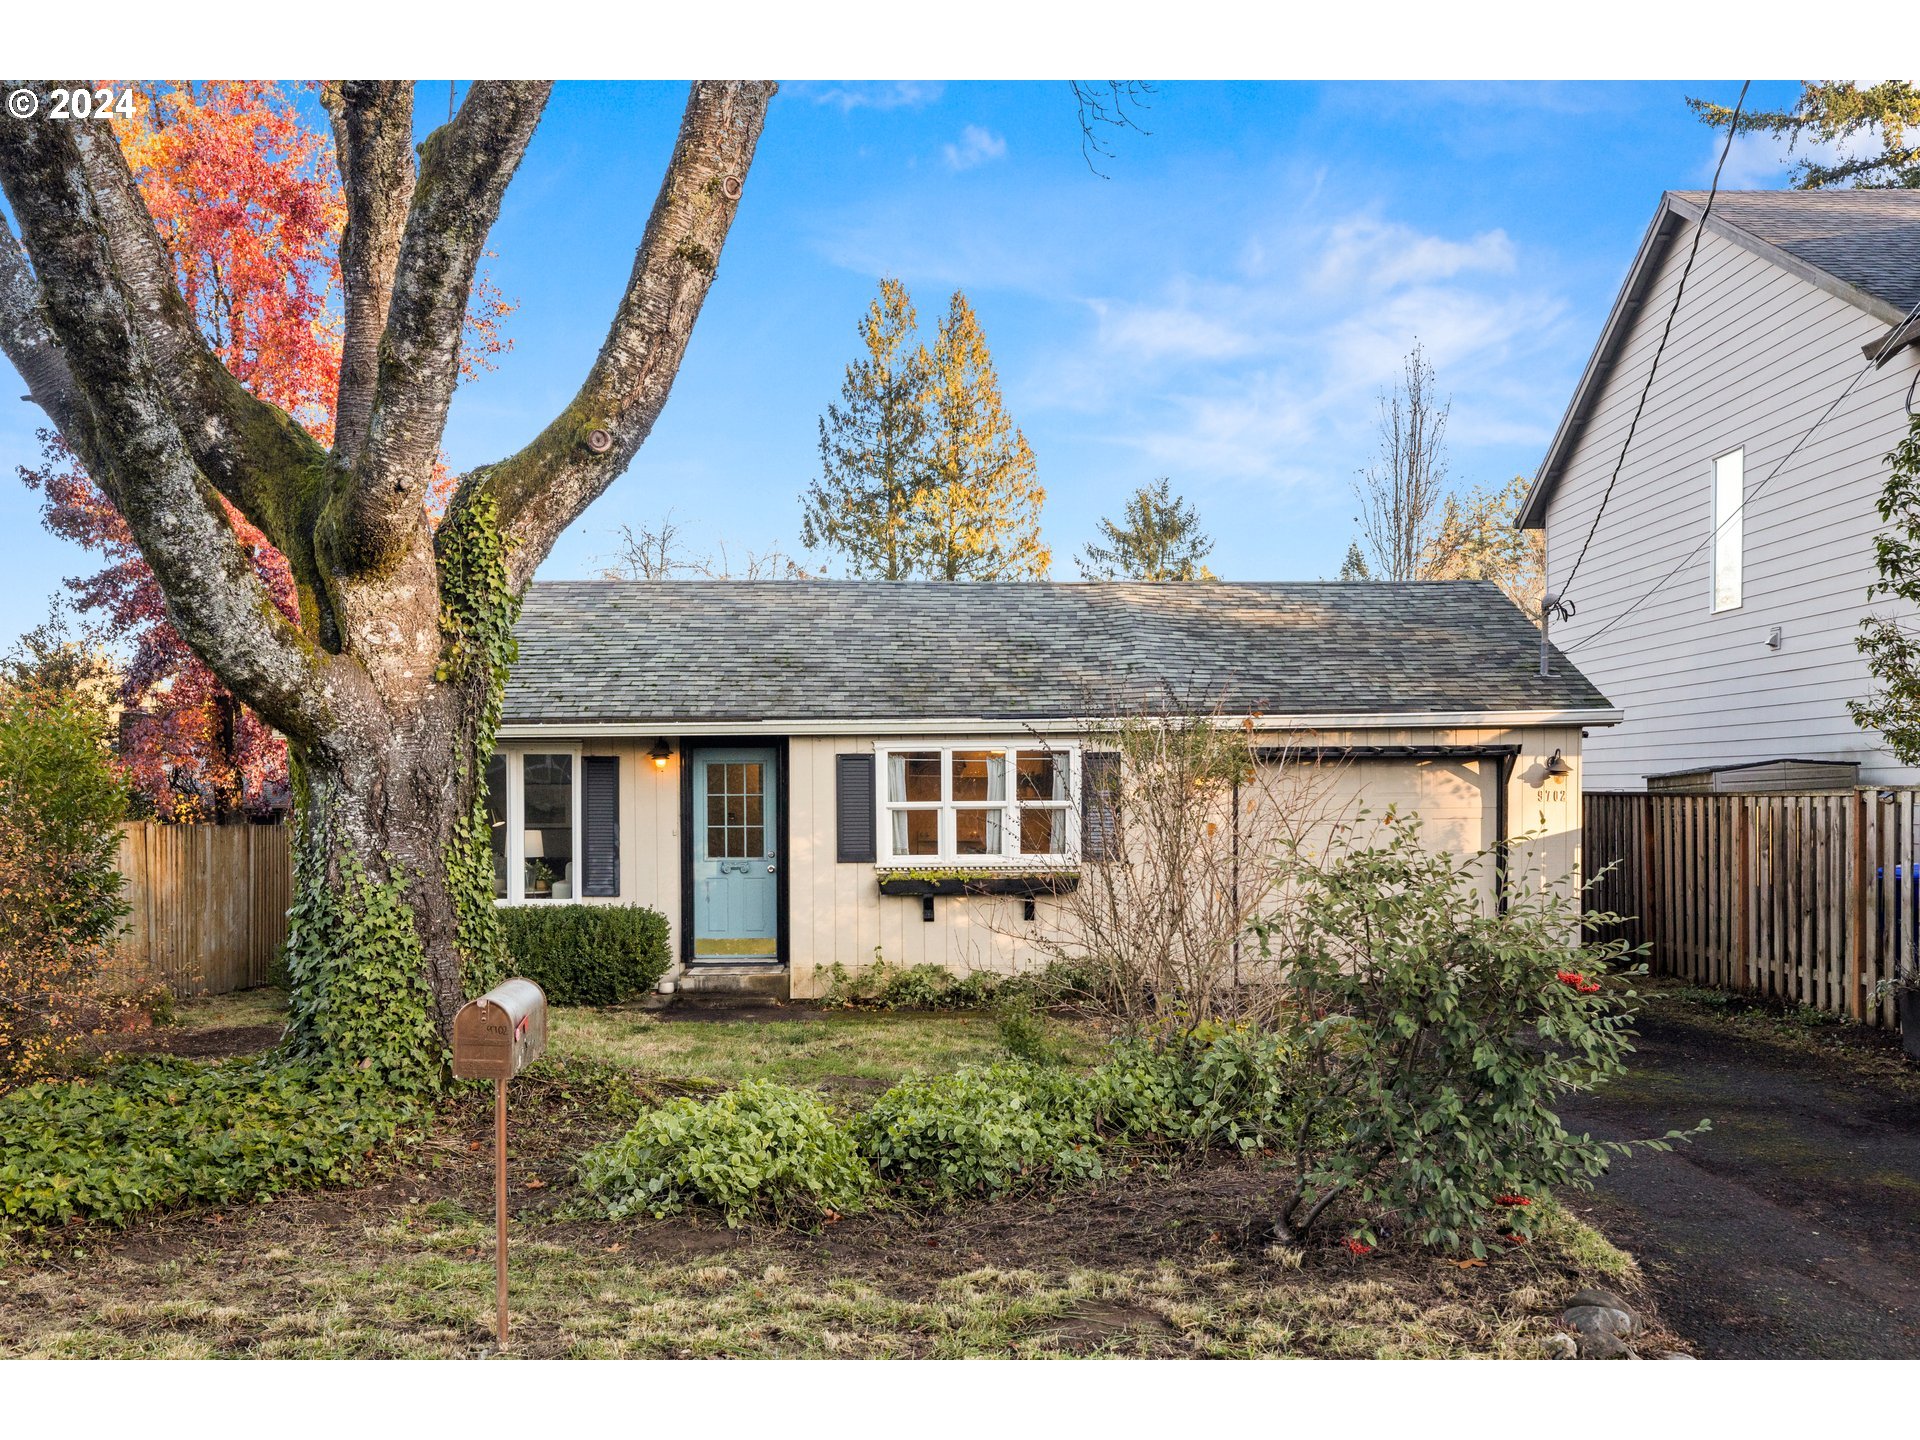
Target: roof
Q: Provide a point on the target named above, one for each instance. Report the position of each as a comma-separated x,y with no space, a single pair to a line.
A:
639,653
1860,245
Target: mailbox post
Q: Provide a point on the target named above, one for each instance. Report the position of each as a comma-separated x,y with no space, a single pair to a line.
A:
495,1038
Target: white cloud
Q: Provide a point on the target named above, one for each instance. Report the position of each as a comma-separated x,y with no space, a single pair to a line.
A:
868,94
976,146
1268,373
1766,162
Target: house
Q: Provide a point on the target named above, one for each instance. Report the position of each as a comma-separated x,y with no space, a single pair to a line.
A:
1725,577
784,769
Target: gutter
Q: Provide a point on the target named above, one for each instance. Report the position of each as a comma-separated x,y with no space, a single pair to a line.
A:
671,728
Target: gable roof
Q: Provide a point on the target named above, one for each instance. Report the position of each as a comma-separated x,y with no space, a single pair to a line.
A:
1860,245
639,654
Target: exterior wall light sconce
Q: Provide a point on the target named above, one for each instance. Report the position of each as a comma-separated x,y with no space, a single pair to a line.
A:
1557,767
661,753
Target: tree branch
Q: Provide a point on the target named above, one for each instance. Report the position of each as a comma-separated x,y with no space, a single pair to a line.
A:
126,433
29,343
464,172
373,143
544,488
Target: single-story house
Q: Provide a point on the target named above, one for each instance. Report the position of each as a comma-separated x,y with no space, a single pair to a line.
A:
770,764
1717,563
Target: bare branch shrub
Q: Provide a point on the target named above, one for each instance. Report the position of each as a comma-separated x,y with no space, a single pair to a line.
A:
1201,819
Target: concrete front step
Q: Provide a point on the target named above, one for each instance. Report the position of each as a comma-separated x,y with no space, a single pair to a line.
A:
733,984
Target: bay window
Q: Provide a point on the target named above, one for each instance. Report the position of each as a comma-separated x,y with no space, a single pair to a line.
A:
533,813
976,803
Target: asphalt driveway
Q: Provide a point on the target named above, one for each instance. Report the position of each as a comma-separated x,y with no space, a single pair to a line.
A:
1792,1230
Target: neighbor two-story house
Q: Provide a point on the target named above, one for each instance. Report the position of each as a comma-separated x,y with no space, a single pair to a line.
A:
1725,576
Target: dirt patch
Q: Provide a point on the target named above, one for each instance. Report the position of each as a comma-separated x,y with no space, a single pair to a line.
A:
1792,1229
202,1044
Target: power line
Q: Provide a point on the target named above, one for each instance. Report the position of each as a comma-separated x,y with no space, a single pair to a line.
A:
1872,364
1733,127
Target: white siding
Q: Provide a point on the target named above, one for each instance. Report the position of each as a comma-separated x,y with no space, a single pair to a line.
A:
1756,355
838,916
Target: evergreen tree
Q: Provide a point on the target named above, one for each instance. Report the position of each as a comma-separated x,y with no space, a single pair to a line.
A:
1160,539
979,511
873,448
1843,110
1354,567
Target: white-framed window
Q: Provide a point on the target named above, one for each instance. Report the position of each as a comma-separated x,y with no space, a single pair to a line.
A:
1729,525
978,802
533,811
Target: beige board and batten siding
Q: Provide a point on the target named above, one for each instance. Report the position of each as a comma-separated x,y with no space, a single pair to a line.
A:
1756,354
838,916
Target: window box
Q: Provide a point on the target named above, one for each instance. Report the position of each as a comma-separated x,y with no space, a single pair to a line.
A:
1019,885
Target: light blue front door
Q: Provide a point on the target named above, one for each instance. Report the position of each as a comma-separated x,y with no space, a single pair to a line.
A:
736,885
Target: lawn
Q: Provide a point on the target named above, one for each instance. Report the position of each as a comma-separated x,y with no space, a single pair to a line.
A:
1150,1262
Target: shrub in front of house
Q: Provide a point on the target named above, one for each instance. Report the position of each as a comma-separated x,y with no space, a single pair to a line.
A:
587,954
1221,1087
982,1131
763,1151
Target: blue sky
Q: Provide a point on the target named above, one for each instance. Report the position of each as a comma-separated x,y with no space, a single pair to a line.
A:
1223,309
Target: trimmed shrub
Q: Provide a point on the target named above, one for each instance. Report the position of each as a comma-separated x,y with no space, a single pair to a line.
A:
763,1150
163,1132
587,954
884,986
982,1131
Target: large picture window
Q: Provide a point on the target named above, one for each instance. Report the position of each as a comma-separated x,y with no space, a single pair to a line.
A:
977,803
533,812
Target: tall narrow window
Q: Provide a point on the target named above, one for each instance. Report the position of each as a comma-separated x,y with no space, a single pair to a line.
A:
1729,522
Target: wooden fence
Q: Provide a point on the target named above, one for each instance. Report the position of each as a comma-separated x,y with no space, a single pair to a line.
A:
1809,898
209,904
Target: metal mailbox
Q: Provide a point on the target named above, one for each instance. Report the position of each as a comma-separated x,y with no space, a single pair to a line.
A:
501,1033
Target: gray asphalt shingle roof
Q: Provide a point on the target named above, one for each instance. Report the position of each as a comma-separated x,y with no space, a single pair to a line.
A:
614,651
1868,238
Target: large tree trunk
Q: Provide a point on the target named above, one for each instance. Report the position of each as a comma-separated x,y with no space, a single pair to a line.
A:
388,686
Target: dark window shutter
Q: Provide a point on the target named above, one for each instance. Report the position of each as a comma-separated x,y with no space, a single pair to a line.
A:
600,825
853,802
1099,803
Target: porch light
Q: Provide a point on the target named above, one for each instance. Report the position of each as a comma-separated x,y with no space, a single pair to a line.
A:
1557,767
661,753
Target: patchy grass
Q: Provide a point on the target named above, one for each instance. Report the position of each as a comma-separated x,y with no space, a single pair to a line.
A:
265,1006
1149,1262
833,1049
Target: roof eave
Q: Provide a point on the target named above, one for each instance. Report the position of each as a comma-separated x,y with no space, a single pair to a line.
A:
669,726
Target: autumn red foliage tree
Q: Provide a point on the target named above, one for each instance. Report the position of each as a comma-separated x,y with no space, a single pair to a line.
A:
245,196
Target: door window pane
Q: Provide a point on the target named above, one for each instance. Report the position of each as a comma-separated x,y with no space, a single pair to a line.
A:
497,822
547,797
736,811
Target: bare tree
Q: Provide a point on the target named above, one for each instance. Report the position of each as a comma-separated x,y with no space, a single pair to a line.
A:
1401,494
388,683
1104,108
660,552
1200,818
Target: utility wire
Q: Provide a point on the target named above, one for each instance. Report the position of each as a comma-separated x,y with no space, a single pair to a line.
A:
1873,363
1733,127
